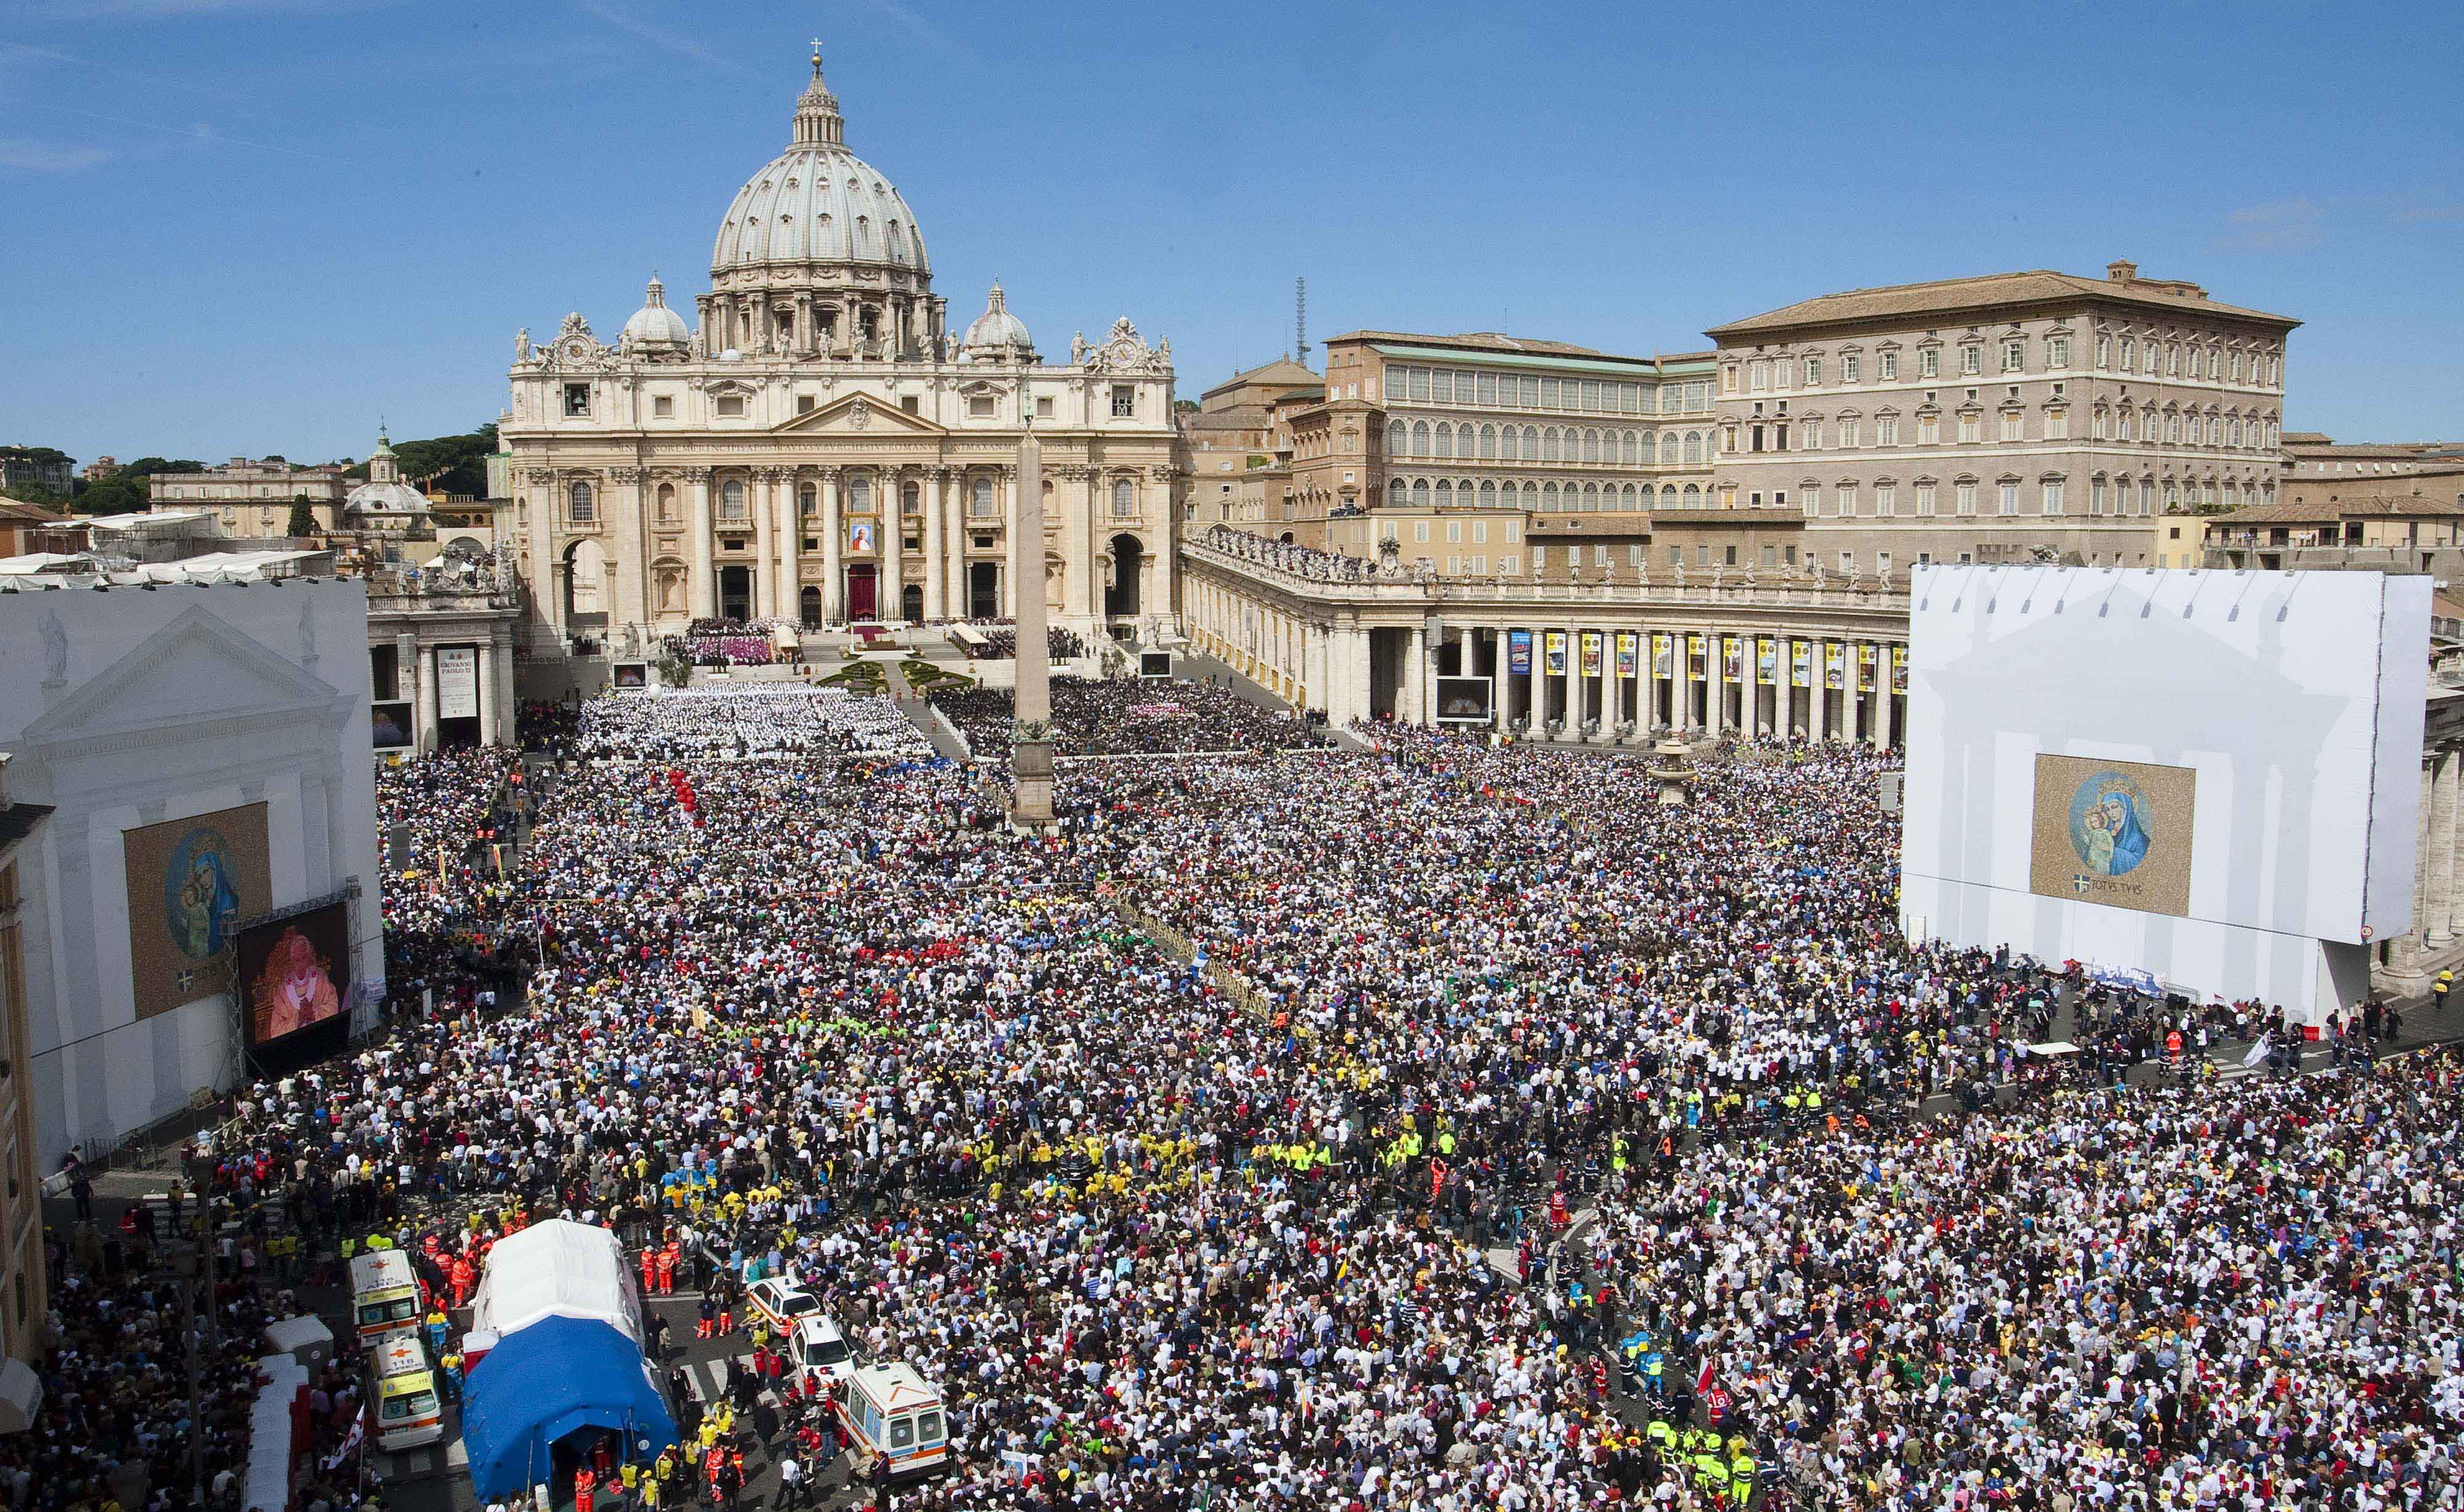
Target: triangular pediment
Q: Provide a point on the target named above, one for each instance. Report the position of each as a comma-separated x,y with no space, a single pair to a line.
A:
197,667
860,414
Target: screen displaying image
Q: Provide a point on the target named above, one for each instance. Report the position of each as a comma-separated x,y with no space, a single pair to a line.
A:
294,973
631,675
389,721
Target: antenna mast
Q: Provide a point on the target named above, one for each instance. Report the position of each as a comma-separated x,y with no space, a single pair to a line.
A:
1300,321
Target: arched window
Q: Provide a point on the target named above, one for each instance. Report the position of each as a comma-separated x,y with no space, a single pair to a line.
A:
860,494
1592,497
1420,438
1124,499
1668,448
1488,440
1421,493
1531,442
1693,495
1625,448
1510,445
579,504
1549,495
980,498
1393,438
730,499
1445,439
1531,496
667,503
1591,446
1548,444
1396,494
1629,497
804,498
1668,496
911,498
1693,449
1446,494
1488,495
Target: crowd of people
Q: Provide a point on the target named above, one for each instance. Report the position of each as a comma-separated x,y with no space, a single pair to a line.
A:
686,724
1128,716
1439,1129
999,642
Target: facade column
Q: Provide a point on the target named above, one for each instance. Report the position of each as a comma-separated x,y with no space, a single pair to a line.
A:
937,570
1093,606
766,560
833,579
1077,546
791,548
2438,845
956,600
624,575
894,553
700,588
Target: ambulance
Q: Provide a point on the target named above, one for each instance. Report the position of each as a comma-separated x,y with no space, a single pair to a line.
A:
384,1293
404,1390
889,1413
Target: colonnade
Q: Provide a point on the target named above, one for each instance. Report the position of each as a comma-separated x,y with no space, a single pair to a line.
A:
2437,908
1576,681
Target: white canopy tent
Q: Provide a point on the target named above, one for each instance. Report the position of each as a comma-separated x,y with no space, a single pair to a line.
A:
556,1269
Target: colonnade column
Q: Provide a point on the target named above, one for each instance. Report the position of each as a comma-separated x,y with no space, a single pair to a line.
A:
2440,849
1883,697
1416,673
833,579
701,591
1648,708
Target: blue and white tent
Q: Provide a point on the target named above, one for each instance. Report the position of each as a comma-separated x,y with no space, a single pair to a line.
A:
557,1378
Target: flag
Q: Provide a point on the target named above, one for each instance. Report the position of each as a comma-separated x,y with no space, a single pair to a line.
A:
2257,1054
1703,1377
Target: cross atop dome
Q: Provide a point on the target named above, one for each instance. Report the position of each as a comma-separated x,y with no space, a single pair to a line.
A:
816,110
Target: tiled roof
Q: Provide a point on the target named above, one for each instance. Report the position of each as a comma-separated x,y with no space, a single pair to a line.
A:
1950,295
2380,506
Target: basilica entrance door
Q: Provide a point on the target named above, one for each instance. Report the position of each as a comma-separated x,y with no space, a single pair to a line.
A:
983,590
735,593
862,588
911,605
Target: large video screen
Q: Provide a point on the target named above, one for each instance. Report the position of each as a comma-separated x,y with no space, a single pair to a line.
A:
2202,776
1464,700
295,973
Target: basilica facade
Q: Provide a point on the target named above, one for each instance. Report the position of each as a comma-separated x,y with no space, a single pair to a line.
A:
819,449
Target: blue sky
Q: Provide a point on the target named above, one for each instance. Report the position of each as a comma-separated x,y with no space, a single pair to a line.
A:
250,226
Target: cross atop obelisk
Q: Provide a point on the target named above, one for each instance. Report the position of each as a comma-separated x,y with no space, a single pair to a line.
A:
1030,759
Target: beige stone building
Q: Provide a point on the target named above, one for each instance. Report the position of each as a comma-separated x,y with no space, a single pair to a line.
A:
1236,447
1490,421
252,499
821,449
2009,418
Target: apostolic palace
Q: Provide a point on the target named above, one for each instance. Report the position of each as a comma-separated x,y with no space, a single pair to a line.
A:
818,447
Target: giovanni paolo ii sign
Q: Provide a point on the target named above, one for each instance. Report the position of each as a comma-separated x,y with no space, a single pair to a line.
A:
2113,832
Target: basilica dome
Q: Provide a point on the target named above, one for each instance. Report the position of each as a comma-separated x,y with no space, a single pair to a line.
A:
655,326
818,202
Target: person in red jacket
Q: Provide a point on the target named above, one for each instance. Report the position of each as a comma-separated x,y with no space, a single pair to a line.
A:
583,1487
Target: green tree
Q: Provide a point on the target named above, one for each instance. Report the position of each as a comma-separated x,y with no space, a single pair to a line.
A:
303,519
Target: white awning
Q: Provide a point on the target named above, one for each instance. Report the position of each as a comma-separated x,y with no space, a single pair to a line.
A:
21,1396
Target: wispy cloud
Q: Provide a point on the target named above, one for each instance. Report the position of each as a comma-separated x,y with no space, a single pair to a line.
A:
2280,225
2302,224
623,19
917,27
25,155
200,132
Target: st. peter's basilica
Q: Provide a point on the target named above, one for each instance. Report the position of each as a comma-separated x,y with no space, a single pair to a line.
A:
817,447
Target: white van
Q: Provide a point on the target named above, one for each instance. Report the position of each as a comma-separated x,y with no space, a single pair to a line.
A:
891,1415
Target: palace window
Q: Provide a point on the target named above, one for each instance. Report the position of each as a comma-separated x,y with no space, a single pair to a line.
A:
662,407
980,498
730,499
731,404
579,506
1124,499
860,494
1125,400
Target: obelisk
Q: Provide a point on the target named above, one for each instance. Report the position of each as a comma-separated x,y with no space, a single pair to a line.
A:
1030,749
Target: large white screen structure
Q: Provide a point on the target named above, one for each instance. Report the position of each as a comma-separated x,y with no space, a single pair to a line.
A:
2211,777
